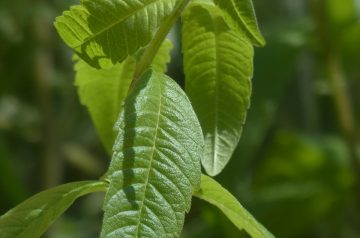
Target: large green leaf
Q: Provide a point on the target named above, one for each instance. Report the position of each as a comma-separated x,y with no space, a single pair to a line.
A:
156,161
242,11
104,32
214,193
218,61
102,91
32,217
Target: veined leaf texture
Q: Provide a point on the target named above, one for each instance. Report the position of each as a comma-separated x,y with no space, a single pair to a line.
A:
106,32
218,64
156,161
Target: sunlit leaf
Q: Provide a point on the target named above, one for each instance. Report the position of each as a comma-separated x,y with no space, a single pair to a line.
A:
106,32
156,161
218,63
32,217
214,193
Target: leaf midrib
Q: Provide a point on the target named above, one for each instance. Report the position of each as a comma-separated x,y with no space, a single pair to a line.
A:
119,21
151,160
216,98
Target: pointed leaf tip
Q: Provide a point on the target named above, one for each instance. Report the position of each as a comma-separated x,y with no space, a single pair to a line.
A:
215,194
218,64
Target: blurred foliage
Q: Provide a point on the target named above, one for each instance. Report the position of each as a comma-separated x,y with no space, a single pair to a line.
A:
292,168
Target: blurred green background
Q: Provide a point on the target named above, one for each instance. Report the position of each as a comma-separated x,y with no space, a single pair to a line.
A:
296,167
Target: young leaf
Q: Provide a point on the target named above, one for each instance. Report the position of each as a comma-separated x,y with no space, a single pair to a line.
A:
156,161
102,91
32,217
105,32
218,68
214,193
242,11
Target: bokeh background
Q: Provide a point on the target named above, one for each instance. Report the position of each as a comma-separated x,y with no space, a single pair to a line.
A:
296,167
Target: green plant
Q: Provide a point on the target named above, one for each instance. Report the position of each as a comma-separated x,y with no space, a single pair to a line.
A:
161,136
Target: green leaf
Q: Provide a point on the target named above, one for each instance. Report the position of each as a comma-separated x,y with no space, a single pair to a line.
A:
106,32
156,161
218,63
214,193
242,11
102,91
162,57
32,217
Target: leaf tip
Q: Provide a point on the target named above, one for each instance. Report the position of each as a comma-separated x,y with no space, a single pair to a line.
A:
260,41
212,171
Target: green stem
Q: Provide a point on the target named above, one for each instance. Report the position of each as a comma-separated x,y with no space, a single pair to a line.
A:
345,112
51,163
339,89
155,44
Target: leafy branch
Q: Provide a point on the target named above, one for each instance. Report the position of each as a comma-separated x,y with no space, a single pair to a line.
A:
162,133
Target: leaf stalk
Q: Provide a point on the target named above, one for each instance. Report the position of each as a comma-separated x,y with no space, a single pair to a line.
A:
153,47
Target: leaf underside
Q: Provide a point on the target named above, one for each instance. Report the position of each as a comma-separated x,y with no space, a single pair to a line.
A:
103,91
32,217
218,68
156,161
104,33
214,193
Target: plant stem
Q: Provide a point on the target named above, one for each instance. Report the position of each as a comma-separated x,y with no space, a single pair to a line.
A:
344,111
52,164
151,50
339,89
